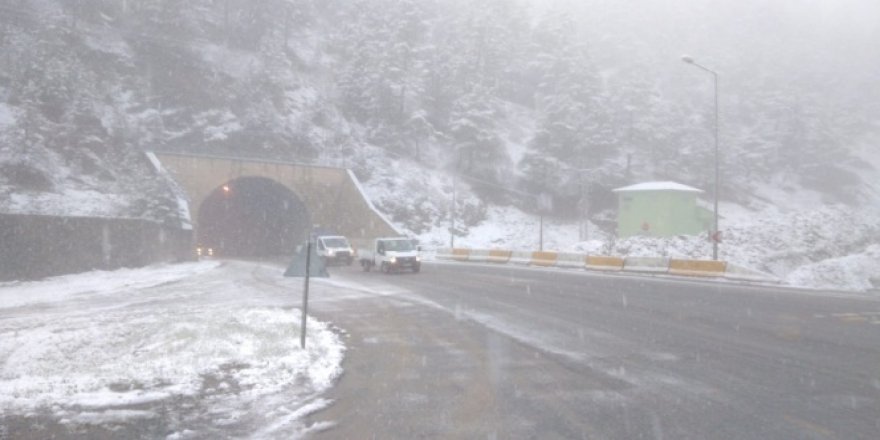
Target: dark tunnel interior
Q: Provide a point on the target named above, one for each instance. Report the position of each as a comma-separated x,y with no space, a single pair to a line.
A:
252,217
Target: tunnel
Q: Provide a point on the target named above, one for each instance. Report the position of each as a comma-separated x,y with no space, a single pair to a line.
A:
252,217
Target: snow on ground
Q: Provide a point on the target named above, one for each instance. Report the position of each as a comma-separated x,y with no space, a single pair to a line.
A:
826,247
517,129
7,116
67,201
507,227
801,240
854,270
235,63
124,346
71,195
67,287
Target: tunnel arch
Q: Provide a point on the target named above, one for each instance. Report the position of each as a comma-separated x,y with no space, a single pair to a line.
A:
252,217
333,196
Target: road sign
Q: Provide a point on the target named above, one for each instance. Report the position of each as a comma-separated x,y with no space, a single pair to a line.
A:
545,203
306,263
307,255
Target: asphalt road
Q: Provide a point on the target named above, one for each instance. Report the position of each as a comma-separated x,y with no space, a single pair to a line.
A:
476,351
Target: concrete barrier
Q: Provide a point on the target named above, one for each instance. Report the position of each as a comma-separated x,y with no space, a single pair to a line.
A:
521,257
460,254
653,265
700,268
606,263
498,256
478,255
578,261
646,264
543,258
740,273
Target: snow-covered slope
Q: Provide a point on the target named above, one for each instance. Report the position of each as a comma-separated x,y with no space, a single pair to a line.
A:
420,101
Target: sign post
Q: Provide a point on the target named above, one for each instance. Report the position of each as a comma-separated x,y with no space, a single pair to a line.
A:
306,265
545,206
305,307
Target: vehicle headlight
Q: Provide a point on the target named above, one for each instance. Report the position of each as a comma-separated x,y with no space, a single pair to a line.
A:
331,253
418,258
392,260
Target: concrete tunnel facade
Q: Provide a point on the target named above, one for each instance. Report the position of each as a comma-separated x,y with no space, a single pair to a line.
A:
332,197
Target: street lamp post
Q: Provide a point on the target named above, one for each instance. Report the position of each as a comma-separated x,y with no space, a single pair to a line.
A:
714,235
452,213
583,204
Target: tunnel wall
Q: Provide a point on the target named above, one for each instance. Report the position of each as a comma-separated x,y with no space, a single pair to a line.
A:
366,223
37,246
332,196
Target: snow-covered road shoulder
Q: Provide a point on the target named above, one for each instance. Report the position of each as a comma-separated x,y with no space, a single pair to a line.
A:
207,342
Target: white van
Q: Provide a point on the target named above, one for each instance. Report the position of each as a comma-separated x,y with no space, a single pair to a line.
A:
334,249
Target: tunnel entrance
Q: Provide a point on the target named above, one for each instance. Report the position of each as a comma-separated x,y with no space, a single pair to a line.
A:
252,217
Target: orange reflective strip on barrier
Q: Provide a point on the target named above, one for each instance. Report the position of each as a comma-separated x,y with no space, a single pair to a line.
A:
544,258
708,268
601,262
496,256
460,254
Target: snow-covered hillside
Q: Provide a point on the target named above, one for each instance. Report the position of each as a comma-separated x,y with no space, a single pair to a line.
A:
498,101
799,240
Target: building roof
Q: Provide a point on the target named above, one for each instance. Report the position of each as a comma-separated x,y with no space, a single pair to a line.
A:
658,186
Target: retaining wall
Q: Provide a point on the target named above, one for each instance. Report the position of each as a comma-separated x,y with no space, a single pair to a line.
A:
37,246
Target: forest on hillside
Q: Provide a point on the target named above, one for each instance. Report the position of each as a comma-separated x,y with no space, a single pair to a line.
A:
537,97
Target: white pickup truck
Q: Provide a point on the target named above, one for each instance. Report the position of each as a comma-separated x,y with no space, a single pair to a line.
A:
391,254
334,249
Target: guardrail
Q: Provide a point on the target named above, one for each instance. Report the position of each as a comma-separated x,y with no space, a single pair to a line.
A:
607,263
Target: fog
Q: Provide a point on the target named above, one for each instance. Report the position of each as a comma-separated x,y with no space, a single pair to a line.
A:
595,218
564,99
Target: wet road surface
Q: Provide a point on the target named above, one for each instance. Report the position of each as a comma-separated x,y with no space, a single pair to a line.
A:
475,351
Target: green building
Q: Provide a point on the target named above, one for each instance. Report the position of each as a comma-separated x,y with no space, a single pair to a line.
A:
660,209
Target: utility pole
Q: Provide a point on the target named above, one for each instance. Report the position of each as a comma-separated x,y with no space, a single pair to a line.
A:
541,232
715,235
452,214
